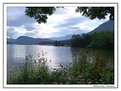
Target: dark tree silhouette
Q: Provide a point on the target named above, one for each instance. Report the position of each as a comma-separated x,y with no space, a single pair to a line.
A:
96,12
41,13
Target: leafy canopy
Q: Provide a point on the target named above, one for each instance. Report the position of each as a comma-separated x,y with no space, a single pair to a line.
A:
41,13
96,12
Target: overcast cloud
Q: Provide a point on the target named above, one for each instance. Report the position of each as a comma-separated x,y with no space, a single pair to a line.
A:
63,22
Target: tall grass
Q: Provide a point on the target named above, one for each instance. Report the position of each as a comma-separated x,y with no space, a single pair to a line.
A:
89,68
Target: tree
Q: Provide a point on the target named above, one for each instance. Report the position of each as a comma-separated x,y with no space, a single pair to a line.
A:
75,41
80,40
40,13
58,43
96,12
102,40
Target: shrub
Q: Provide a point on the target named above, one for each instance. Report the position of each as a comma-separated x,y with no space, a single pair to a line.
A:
89,68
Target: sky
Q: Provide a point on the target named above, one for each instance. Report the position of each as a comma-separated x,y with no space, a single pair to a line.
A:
64,21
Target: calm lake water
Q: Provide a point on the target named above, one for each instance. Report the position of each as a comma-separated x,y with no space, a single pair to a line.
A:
16,54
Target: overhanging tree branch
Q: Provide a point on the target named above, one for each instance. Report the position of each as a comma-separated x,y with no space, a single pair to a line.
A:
96,12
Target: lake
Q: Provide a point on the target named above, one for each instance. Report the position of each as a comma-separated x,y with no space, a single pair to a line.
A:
55,55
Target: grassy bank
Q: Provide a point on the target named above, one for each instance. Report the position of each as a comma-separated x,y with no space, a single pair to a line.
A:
89,68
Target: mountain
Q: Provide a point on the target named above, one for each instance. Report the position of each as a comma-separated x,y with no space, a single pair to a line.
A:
43,39
10,41
25,40
28,40
107,26
67,37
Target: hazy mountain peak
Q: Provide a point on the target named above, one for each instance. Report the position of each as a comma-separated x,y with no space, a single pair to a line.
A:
66,37
22,37
106,26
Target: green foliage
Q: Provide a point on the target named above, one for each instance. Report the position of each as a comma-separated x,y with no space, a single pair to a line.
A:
58,43
96,12
31,72
80,40
96,40
103,40
40,13
89,68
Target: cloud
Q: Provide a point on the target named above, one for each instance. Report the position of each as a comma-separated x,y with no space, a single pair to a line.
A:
11,33
69,31
63,22
15,32
29,27
60,11
21,21
16,17
14,13
90,24
71,21
35,30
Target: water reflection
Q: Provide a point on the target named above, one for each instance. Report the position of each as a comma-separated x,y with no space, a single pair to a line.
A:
86,65
54,55
102,57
